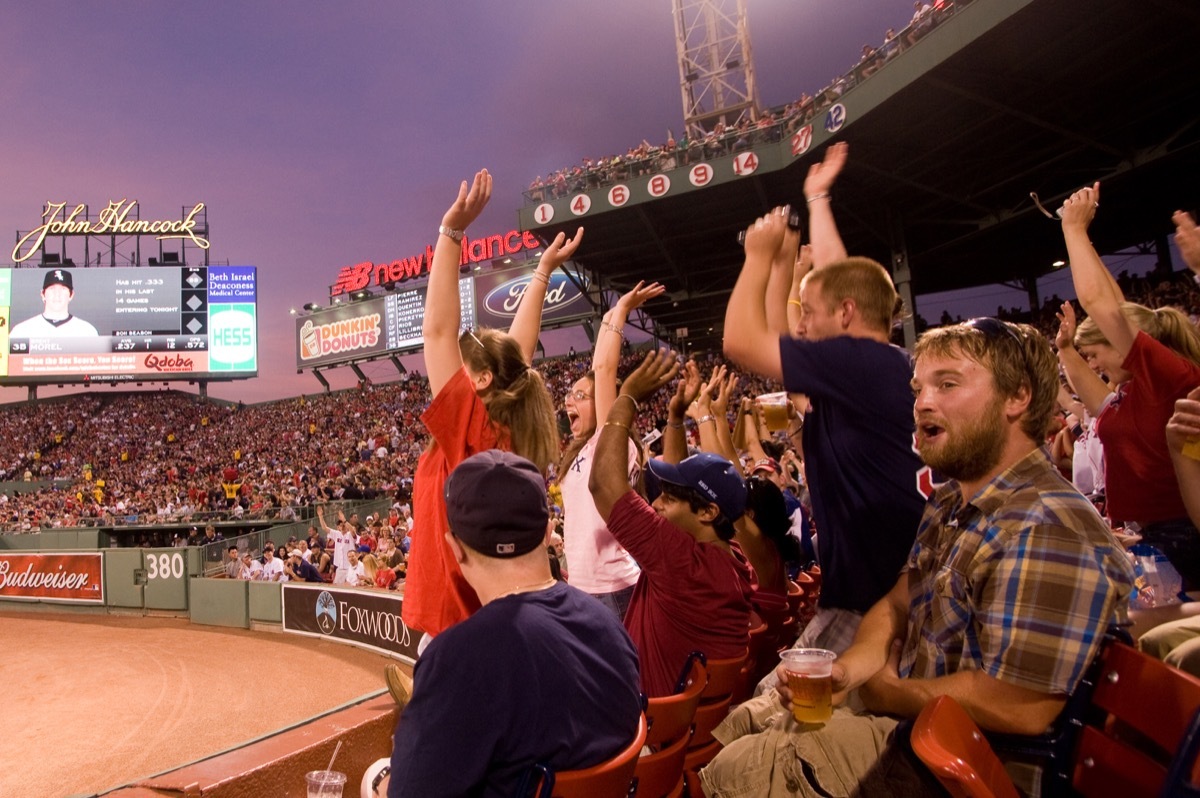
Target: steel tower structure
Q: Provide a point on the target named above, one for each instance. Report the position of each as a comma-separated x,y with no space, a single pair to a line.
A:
716,64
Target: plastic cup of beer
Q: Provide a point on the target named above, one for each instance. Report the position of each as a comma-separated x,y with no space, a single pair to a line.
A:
1192,448
810,679
325,783
775,410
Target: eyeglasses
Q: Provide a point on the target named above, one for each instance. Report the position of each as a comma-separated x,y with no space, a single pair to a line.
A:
474,337
994,328
578,396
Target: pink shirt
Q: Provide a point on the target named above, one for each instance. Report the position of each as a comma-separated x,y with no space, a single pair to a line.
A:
596,562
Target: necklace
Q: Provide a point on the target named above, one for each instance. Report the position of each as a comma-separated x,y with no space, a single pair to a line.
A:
529,588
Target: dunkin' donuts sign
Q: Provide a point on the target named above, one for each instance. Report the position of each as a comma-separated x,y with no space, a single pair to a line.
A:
75,578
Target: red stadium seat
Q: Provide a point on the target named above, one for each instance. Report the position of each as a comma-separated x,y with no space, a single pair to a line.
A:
724,676
1142,739
669,718
610,779
953,748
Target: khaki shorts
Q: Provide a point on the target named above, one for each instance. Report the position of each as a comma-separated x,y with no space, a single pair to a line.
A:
768,755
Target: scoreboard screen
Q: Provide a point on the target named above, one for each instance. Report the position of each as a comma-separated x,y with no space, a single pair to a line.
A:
115,324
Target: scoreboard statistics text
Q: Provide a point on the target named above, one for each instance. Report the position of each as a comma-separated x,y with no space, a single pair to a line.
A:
64,324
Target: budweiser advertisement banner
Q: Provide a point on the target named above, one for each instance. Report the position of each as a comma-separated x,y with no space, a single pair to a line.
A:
53,577
360,617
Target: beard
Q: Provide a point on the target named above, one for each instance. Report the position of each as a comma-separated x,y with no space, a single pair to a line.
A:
971,450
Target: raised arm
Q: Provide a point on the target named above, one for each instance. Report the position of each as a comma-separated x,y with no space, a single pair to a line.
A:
674,439
1098,292
608,481
753,438
779,284
1092,390
802,268
1183,428
827,243
321,519
442,310
527,324
701,412
607,353
748,341
720,411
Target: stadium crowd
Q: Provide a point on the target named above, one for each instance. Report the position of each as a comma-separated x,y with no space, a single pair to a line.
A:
972,469
967,469
760,127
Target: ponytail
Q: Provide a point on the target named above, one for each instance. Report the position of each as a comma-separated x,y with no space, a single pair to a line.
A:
517,400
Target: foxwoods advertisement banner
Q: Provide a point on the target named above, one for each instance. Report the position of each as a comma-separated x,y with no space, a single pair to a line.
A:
347,615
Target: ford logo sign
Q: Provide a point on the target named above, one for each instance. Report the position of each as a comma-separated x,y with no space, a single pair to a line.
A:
504,298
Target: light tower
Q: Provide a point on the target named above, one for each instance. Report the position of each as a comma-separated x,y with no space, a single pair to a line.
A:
716,65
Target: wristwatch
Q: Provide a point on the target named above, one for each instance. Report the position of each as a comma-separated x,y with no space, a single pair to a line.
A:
450,232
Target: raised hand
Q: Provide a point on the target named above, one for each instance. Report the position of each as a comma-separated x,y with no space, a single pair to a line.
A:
1187,238
470,202
559,252
1080,208
764,237
659,368
686,391
821,176
639,295
720,402
1065,337
1184,424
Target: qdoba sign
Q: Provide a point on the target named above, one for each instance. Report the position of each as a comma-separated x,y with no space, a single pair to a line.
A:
53,577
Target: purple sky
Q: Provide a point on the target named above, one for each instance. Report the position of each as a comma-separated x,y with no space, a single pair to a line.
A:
323,134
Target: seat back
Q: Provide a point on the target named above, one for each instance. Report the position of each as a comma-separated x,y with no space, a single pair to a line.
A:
796,592
760,658
1141,725
1147,710
612,778
723,675
670,717
660,774
956,752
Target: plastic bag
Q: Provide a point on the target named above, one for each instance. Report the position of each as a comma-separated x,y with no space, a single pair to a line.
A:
1156,582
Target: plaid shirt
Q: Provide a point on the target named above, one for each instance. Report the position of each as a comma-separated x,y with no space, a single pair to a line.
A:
1020,582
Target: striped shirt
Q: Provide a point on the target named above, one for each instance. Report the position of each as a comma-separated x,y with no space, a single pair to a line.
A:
1020,582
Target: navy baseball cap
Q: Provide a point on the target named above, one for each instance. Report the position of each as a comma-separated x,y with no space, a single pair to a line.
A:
713,477
496,504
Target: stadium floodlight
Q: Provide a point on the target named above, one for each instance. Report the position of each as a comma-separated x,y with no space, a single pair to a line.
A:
311,306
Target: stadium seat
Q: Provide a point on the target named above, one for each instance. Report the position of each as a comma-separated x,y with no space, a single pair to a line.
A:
724,676
762,654
1139,737
612,778
954,750
669,722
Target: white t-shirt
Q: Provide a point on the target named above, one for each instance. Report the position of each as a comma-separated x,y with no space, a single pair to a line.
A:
342,542
272,571
356,575
597,563
252,571
41,327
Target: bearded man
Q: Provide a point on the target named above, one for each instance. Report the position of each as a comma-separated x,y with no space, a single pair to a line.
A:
1006,595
